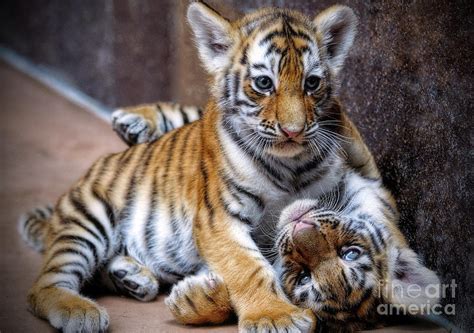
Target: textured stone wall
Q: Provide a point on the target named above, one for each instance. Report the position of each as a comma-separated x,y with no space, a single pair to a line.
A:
407,84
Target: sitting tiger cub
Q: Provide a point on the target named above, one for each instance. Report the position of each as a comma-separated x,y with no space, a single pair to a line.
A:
189,203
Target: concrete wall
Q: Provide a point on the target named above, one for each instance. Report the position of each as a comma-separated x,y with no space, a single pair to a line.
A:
407,84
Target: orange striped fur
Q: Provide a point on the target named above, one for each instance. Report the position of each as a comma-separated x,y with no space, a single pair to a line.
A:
199,201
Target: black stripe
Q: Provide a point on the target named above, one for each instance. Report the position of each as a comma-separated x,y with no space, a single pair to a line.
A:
302,35
61,284
209,299
273,288
162,268
243,59
200,112
170,151
207,201
80,207
126,156
241,190
352,209
236,86
268,37
191,304
166,127
241,102
103,168
78,274
354,275
40,212
109,211
35,229
76,264
235,215
311,165
271,49
353,194
176,309
72,220
138,175
172,249
241,218
68,250
374,241
184,115
150,232
82,241
317,176
259,66
260,282
254,273
387,205
273,174
227,84
30,222
260,22
346,284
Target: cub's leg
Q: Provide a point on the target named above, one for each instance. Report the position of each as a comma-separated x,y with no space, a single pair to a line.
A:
200,299
132,278
79,240
147,122
251,281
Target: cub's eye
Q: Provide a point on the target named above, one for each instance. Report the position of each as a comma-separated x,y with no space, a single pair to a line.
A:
263,83
312,83
351,254
304,277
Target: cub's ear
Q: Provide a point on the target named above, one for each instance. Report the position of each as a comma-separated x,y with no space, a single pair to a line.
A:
337,26
410,283
213,35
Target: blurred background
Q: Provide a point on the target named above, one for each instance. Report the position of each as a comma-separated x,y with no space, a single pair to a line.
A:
407,85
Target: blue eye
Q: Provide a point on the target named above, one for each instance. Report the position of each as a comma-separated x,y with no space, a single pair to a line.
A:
351,254
304,277
264,83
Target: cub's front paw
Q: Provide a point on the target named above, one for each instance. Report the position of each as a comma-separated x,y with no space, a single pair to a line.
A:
200,299
133,128
78,314
294,321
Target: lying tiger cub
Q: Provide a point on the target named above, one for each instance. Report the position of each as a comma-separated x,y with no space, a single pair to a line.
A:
188,204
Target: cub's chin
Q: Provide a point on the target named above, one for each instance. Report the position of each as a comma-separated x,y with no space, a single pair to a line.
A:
286,149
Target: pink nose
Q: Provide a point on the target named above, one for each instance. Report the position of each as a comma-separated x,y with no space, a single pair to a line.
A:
300,225
289,133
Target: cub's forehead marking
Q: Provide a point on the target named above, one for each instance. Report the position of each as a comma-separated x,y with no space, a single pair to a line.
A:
266,51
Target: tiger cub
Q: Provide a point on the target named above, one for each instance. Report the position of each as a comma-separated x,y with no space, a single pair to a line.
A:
334,254
187,203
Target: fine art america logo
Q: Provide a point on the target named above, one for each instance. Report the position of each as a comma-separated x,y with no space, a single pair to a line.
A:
413,299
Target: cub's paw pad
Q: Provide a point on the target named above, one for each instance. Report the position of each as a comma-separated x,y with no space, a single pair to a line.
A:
133,128
296,322
133,279
79,315
199,299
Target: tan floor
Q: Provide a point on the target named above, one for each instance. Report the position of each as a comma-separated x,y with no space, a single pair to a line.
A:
46,143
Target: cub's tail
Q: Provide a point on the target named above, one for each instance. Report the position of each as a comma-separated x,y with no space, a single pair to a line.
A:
33,227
